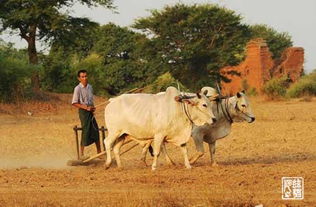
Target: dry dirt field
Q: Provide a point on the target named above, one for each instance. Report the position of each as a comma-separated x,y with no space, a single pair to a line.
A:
252,160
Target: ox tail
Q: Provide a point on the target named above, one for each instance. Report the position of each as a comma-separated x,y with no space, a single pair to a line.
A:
151,150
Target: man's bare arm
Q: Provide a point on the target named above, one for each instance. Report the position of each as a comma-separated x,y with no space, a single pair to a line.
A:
84,107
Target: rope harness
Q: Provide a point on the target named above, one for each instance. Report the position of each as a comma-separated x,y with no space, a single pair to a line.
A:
225,109
186,107
186,111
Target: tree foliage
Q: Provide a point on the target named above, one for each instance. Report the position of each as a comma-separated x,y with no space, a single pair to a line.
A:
44,20
194,42
122,54
188,44
113,59
57,74
276,87
15,73
163,82
277,41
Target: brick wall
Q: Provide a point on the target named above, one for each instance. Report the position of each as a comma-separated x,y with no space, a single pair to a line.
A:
259,67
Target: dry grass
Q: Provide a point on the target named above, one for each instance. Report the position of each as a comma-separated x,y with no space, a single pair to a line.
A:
252,160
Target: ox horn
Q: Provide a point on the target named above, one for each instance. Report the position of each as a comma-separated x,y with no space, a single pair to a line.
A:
180,98
218,89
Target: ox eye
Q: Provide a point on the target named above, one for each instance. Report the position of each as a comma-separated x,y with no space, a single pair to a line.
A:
243,105
205,105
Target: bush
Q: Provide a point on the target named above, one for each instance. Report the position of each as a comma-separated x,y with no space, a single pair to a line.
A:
249,90
15,78
111,78
162,83
306,86
57,74
276,87
93,63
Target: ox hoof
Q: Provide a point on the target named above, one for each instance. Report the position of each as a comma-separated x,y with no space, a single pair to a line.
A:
120,166
106,166
189,167
144,162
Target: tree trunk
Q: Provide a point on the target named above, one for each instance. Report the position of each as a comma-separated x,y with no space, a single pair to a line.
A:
33,59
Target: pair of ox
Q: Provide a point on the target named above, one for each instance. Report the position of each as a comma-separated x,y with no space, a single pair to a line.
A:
172,118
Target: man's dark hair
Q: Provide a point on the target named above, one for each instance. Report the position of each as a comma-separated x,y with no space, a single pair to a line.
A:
81,71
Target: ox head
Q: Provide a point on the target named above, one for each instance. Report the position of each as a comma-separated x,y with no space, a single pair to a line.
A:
199,108
242,109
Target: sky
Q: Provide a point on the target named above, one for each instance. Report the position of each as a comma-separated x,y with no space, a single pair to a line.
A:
297,17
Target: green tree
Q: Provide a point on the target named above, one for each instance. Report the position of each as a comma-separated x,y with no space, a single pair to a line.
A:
44,20
113,56
194,42
123,65
15,72
277,41
57,74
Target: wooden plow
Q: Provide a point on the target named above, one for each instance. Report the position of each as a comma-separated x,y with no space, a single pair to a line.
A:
79,161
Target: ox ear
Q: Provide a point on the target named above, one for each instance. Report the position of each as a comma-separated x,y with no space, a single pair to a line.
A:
238,95
178,99
205,92
198,95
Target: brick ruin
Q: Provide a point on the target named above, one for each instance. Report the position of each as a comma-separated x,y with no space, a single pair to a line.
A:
259,67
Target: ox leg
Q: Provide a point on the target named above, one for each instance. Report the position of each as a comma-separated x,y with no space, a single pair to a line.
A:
198,141
158,139
184,151
168,159
144,152
212,153
116,151
108,144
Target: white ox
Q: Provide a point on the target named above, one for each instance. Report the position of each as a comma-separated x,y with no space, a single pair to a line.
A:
228,110
165,117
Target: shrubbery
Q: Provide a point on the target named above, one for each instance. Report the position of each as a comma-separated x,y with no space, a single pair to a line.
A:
250,91
57,74
282,87
94,65
276,87
163,82
306,86
15,75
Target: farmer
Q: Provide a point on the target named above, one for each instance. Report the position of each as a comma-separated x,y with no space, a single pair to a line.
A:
83,99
